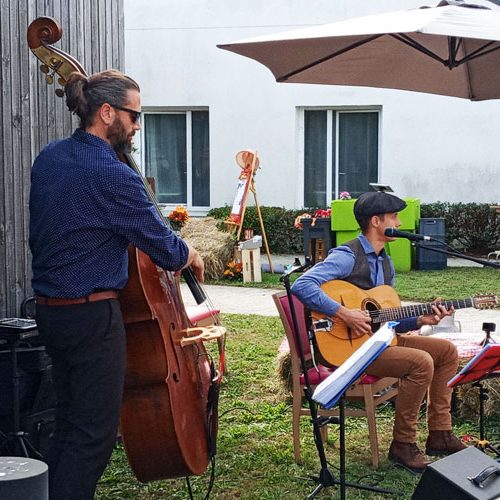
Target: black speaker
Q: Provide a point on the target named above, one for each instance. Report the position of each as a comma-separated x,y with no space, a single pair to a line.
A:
34,383
448,478
35,391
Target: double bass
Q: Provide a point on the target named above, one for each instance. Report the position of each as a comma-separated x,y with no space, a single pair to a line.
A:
169,416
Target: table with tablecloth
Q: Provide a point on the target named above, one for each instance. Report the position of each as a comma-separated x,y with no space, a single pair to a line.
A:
467,396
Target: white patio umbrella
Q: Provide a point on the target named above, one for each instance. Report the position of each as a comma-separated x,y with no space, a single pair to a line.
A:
451,49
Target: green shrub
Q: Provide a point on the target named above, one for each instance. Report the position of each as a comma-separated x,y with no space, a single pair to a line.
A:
470,227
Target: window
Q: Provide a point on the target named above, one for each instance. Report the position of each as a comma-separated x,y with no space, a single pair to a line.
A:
340,154
176,146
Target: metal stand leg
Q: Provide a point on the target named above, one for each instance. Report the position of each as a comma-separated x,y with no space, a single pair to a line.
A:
483,443
21,444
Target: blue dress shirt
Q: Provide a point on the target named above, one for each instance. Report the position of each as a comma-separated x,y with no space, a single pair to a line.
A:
86,206
339,265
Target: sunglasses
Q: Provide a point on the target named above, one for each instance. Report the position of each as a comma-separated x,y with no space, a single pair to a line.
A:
134,115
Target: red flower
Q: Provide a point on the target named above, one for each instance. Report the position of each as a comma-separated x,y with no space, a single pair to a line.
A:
322,213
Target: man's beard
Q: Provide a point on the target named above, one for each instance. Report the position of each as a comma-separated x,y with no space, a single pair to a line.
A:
118,137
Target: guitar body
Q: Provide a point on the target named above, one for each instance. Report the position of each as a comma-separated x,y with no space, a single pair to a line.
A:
335,345
336,342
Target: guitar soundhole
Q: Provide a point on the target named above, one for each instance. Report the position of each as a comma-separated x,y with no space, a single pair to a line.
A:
370,304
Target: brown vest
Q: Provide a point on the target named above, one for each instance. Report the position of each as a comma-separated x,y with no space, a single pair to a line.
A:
360,275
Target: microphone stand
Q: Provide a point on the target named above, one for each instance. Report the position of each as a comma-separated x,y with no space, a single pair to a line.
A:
326,477
452,253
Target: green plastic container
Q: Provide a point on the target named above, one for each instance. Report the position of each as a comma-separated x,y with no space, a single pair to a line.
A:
400,252
410,216
346,228
343,236
343,216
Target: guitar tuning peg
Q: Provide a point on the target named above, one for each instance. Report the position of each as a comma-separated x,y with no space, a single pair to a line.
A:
44,68
59,92
50,79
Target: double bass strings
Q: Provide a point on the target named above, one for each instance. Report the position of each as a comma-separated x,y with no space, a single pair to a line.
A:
195,286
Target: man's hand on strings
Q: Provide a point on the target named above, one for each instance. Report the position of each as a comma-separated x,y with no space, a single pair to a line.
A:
439,311
357,320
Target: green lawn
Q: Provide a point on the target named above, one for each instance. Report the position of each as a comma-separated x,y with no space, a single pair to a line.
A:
255,457
451,283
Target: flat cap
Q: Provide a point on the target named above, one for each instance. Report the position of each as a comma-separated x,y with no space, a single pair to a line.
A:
377,202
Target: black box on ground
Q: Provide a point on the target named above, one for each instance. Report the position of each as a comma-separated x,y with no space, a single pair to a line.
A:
427,259
449,478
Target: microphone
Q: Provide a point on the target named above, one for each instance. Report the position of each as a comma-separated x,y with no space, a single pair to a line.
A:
394,233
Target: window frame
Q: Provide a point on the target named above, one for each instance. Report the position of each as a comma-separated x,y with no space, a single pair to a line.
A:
194,210
332,158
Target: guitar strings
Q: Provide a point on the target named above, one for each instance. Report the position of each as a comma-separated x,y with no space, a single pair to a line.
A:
395,313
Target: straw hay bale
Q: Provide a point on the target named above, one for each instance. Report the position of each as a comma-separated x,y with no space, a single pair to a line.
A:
468,399
216,247
283,365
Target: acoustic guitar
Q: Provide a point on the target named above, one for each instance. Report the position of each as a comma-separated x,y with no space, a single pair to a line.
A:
334,339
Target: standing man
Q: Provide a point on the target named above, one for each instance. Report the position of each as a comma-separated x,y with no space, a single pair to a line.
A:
423,364
86,206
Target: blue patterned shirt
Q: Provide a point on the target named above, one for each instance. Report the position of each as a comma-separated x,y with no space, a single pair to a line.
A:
86,206
339,265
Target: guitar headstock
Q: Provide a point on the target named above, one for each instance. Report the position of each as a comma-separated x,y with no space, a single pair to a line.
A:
485,301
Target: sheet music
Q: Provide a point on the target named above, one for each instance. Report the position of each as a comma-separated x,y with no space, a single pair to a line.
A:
484,364
331,389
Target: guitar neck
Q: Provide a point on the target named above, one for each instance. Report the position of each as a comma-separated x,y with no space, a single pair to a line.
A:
397,313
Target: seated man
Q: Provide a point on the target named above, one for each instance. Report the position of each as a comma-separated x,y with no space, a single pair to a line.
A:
421,363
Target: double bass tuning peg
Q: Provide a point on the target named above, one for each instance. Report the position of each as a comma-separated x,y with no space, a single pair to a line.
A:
49,77
45,69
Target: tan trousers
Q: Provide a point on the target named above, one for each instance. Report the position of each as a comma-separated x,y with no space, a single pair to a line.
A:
421,364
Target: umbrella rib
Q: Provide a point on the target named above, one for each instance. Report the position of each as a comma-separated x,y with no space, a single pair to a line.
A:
326,58
481,51
415,45
453,48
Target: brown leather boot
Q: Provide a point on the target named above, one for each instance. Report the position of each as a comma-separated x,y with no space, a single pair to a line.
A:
443,443
408,455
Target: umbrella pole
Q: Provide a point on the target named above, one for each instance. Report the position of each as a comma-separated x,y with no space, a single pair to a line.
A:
326,477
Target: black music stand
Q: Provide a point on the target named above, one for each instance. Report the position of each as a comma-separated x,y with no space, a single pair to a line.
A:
326,477
484,365
13,331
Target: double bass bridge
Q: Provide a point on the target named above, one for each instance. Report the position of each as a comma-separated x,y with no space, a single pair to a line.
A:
202,334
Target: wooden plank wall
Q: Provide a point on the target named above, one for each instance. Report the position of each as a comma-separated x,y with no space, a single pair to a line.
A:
31,114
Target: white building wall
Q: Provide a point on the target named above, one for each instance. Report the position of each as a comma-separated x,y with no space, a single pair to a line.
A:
432,147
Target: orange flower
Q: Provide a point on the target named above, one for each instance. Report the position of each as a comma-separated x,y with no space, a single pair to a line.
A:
234,271
179,216
298,223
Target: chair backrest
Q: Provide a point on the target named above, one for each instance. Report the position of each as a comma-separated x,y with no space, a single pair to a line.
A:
283,306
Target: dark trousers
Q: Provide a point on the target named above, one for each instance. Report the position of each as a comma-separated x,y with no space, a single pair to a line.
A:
87,345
